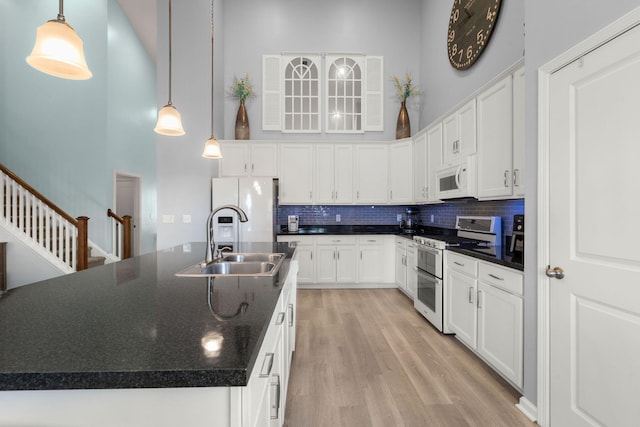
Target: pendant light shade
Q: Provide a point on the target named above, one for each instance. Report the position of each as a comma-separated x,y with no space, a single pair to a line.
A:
212,149
212,146
59,51
169,119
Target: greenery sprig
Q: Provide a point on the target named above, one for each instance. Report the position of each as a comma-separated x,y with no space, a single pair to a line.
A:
405,88
241,88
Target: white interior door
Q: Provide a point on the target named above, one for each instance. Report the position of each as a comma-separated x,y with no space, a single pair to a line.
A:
127,202
594,213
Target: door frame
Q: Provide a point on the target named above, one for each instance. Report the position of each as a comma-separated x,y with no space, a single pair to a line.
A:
545,72
137,208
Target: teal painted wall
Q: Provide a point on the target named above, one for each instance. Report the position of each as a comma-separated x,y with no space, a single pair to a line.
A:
66,138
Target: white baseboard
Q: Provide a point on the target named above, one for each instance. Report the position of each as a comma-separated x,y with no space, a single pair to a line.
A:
528,408
346,285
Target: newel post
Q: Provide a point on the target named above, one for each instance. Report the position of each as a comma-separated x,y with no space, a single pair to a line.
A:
126,236
83,243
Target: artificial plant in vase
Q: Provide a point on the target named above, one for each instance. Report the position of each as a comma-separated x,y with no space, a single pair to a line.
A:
242,89
405,89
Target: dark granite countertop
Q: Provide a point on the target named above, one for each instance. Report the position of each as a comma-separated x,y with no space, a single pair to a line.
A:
502,257
134,324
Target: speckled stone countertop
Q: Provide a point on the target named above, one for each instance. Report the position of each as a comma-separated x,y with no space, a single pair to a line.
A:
134,324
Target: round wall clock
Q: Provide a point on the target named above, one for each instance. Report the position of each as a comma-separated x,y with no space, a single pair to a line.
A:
470,27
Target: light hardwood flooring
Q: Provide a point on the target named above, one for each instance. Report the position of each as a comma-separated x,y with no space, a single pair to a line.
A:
365,357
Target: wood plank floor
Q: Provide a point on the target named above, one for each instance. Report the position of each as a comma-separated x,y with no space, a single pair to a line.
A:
365,358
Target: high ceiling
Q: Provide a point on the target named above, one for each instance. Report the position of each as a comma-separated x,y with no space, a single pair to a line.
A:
143,17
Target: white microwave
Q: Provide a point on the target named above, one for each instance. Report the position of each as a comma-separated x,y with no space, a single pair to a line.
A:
457,181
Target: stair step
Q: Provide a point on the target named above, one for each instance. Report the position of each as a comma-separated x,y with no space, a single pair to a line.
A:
95,261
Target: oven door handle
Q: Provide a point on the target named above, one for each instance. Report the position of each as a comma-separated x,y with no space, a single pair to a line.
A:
432,251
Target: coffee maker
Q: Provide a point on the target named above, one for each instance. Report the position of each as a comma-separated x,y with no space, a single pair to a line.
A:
410,223
517,239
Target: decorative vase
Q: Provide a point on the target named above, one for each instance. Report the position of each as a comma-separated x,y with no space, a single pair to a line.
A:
242,122
403,127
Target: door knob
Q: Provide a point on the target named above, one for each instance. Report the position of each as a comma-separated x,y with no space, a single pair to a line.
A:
555,272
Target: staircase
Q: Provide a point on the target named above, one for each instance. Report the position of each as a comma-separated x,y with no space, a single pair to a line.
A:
41,225
94,261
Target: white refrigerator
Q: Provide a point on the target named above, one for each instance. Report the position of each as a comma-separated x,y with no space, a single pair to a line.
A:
256,197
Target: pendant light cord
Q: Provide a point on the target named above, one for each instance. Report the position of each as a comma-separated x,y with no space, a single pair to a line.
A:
170,62
212,68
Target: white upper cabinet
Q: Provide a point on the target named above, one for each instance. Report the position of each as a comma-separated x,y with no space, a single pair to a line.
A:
370,174
248,159
459,138
495,136
296,174
401,172
333,183
420,168
518,133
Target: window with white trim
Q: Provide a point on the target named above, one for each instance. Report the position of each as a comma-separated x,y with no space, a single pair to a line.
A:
344,95
307,93
301,95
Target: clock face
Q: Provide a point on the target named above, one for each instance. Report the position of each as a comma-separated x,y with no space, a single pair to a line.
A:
470,26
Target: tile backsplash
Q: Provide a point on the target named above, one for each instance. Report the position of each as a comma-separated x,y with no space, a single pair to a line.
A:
444,214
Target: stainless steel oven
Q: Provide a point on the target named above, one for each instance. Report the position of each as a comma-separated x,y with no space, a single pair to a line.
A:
428,300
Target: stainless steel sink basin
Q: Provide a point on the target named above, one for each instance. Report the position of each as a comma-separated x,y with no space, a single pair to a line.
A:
237,264
228,268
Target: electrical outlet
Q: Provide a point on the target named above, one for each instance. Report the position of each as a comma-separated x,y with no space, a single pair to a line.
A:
338,218
186,219
432,217
399,217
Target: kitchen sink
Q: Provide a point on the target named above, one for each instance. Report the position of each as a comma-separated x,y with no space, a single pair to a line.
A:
237,264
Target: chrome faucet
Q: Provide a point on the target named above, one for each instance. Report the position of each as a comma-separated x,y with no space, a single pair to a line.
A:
211,244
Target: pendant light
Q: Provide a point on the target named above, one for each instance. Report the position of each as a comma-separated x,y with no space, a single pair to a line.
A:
58,50
169,121
212,146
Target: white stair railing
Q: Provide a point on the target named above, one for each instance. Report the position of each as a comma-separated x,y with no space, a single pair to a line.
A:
43,227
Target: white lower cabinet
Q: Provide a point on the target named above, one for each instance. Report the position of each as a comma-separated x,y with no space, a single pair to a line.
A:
406,260
336,259
264,398
485,310
305,246
371,259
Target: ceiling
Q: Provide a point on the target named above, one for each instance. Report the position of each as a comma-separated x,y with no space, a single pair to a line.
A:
143,15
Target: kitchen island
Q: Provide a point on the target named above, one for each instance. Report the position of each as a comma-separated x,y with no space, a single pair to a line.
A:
129,343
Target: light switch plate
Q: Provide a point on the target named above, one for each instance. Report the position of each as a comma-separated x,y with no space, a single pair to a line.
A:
168,219
338,218
186,219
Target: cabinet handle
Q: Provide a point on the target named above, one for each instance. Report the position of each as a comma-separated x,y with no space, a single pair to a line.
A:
245,167
275,396
471,295
311,256
479,298
338,255
291,314
495,277
457,263
358,195
360,255
280,319
515,178
391,195
267,364
252,167
506,181
310,195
